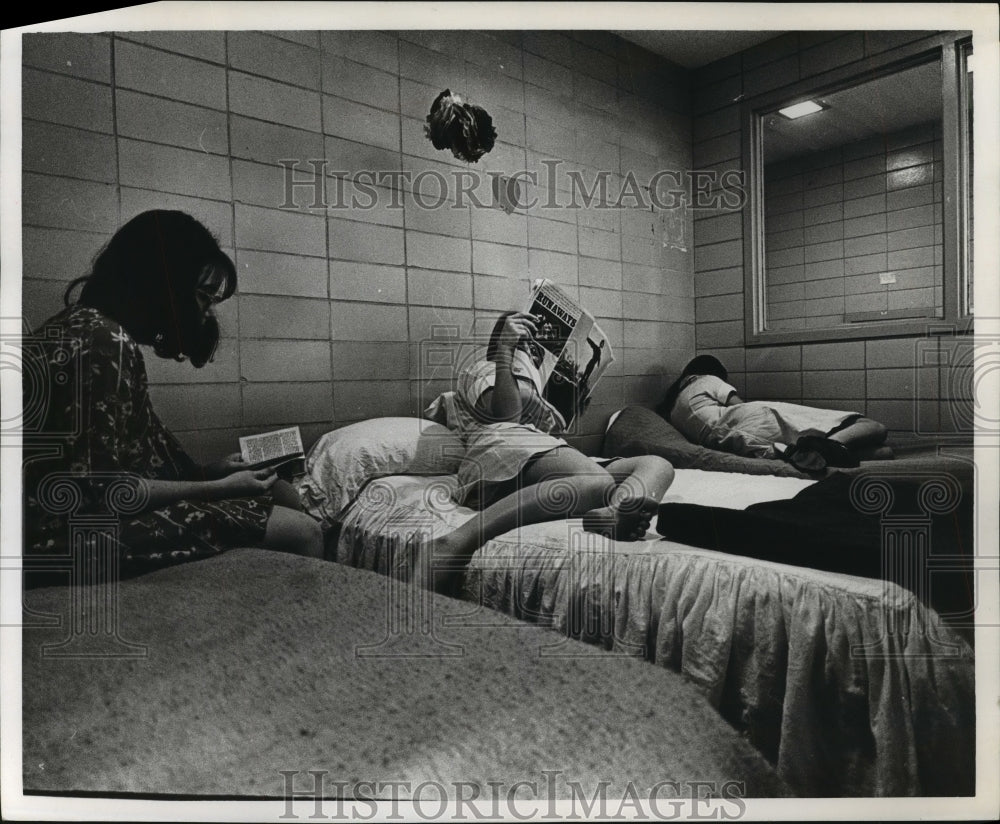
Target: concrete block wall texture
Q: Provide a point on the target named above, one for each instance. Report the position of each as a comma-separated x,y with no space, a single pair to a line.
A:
836,221
915,385
338,307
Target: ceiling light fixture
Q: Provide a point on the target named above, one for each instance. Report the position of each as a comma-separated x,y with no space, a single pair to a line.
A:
801,109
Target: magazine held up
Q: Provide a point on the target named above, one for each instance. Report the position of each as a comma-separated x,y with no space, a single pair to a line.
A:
576,352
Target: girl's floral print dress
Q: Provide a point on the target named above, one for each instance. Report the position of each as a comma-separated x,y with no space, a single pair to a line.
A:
98,430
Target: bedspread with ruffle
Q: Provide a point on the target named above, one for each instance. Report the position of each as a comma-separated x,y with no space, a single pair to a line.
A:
849,685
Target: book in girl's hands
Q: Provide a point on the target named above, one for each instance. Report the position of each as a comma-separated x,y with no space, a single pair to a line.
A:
280,450
575,351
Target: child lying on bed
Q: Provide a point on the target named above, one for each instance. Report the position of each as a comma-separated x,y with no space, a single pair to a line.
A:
706,409
517,470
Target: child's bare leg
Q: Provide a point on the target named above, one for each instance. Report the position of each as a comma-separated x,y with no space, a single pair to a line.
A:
641,483
563,483
440,564
618,500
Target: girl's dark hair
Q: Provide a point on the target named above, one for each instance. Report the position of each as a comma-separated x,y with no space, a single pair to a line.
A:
146,278
700,365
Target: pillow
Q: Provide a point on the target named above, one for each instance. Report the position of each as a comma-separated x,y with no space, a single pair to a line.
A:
341,462
641,431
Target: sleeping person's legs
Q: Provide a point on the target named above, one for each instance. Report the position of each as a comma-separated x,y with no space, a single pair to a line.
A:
562,483
861,433
843,447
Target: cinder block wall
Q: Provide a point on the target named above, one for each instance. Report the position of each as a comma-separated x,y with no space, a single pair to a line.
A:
836,220
333,304
910,384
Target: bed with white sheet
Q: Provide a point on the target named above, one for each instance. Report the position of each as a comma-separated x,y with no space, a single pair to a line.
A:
848,685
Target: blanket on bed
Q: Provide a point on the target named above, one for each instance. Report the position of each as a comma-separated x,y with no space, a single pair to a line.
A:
640,431
896,526
256,662
798,659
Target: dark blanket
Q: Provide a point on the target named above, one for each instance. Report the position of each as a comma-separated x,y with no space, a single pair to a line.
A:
640,431
913,527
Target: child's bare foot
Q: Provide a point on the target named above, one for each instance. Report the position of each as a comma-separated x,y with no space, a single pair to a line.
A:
628,521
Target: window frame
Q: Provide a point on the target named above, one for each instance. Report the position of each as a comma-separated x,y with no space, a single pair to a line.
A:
947,48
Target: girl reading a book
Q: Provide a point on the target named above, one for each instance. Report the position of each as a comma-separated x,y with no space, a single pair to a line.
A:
516,468
100,444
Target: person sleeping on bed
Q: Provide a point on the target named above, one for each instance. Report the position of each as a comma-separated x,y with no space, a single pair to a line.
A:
517,470
706,409
154,284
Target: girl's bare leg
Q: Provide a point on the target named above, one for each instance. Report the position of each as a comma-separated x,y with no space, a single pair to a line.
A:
561,484
640,483
284,494
296,532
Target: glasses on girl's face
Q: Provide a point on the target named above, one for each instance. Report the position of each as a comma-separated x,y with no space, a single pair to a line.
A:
211,293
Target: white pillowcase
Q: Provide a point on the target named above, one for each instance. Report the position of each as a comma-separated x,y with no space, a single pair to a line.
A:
341,462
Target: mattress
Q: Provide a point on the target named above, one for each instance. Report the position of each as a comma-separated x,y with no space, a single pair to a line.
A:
392,512
253,663
849,685
733,490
